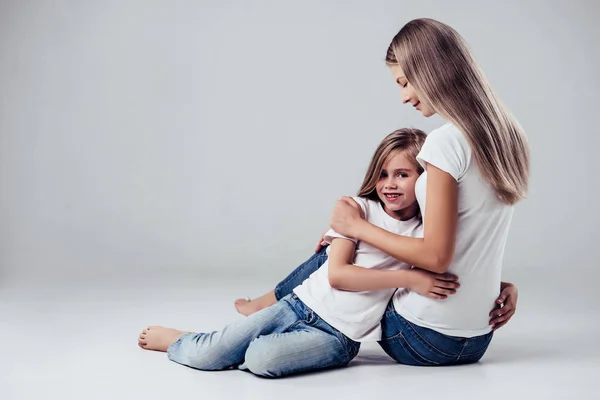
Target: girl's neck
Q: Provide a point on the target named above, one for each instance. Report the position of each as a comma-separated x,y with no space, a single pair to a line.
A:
405,213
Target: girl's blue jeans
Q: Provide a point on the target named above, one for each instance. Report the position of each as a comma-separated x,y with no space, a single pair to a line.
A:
283,339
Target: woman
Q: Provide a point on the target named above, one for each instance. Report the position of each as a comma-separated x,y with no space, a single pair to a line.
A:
476,169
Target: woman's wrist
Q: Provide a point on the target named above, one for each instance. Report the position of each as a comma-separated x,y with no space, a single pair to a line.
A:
361,226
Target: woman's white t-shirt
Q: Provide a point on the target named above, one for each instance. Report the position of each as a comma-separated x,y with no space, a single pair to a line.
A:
357,314
483,225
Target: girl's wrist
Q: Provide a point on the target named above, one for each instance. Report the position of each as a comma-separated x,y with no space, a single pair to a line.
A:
407,279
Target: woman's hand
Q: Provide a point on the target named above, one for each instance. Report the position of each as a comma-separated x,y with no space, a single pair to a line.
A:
432,285
346,217
506,306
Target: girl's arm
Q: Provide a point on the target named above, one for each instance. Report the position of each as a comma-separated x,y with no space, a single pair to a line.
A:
506,305
435,251
344,275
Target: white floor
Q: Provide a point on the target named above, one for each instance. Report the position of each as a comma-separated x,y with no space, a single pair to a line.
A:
78,341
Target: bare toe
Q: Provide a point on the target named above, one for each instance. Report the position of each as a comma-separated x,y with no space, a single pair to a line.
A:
159,338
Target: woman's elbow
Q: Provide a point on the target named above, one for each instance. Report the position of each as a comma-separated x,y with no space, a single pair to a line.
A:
440,263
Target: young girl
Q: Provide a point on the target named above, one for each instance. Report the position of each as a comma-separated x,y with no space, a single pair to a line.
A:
477,168
321,324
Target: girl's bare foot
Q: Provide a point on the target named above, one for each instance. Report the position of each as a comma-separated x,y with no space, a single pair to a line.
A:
249,307
158,338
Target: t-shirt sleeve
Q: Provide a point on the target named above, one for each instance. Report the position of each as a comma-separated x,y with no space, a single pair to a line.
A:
331,234
444,148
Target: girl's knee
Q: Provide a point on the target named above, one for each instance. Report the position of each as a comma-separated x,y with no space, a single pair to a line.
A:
260,359
202,358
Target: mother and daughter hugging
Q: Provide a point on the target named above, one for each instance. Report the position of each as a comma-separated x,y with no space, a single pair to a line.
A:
414,260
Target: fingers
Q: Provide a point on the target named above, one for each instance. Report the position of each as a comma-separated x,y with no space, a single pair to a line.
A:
447,277
320,246
349,200
499,322
498,326
322,243
447,284
500,310
433,295
501,298
510,292
442,291
502,318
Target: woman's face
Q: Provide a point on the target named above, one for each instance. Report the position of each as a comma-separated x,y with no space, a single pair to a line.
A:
408,93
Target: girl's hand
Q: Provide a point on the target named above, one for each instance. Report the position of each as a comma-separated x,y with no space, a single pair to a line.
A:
322,243
346,215
432,285
506,306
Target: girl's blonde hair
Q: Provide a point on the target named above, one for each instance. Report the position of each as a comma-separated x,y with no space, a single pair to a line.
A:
406,140
438,64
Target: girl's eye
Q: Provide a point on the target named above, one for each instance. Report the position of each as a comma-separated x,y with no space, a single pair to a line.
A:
403,175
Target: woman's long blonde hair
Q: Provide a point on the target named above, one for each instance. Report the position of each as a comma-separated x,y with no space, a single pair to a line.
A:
407,140
438,64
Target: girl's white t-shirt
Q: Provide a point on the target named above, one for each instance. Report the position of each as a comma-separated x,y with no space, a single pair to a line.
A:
483,225
357,314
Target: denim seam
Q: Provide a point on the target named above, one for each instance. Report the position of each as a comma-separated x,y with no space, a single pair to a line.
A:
409,350
349,354
284,282
462,350
470,355
416,352
347,345
476,353
343,339
428,344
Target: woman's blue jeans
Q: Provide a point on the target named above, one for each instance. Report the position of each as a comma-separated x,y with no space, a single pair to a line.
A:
402,340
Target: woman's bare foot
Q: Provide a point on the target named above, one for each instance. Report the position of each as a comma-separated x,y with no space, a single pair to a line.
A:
249,307
158,338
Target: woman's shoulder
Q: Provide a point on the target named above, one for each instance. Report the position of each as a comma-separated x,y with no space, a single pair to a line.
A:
448,131
449,136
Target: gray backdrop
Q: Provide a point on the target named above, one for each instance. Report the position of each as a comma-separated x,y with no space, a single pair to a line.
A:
212,137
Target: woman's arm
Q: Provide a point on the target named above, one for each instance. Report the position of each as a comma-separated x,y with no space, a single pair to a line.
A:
344,275
434,252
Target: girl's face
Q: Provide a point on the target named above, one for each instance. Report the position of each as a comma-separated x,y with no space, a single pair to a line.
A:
396,186
408,93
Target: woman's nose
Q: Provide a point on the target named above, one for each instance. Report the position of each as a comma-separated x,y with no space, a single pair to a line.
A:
405,96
